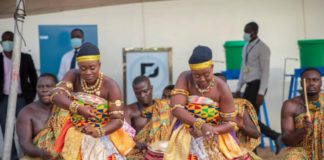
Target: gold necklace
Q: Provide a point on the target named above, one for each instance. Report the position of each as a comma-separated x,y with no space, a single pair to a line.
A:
95,89
210,85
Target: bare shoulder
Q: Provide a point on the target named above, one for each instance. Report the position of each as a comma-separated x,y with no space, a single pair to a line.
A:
183,77
110,82
291,105
220,83
28,111
131,109
71,75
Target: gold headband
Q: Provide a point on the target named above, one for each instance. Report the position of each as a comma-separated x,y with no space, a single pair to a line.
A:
200,66
88,58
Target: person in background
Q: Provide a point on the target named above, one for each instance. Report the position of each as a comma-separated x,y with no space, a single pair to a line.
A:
27,79
255,74
303,133
247,122
151,118
166,95
68,60
33,125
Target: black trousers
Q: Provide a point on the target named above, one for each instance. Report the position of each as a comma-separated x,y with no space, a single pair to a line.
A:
251,93
3,115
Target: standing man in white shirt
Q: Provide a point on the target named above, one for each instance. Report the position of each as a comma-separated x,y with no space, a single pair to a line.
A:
255,74
68,60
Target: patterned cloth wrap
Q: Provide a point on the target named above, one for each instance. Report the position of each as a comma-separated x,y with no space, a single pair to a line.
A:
222,147
100,107
115,145
203,108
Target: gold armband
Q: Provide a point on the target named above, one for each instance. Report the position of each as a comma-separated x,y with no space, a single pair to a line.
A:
198,123
66,84
177,106
117,103
116,112
62,89
228,115
73,107
180,91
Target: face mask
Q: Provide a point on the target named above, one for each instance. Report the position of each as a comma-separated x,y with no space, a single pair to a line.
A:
76,42
247,37
7,46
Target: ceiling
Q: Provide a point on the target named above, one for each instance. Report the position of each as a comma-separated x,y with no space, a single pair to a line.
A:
7,7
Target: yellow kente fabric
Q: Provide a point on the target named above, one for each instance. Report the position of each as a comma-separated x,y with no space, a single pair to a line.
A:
158,128
312,146
246,142
223,148
45,138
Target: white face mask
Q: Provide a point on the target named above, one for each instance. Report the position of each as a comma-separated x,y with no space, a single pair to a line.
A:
247,37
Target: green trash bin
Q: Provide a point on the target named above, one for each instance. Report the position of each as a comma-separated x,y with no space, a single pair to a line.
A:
233,54
311,53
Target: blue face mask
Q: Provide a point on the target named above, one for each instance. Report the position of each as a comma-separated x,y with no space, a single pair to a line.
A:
7,46
247,37
76,42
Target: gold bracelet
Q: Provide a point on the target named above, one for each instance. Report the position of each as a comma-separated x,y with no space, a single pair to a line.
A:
64,90
73,107
100,132
198,123
52,96
116,112
234,124
177,106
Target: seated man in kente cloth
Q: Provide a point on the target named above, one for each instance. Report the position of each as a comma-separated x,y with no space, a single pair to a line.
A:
95,104
150,117
303,134
33,127
247,122
206,115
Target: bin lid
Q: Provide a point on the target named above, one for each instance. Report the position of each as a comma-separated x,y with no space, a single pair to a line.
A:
234,43
310,41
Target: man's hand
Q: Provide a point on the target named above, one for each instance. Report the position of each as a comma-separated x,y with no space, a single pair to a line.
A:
86,111
308,126
237,94
259,100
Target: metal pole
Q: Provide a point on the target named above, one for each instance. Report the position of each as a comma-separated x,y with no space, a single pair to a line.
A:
10,121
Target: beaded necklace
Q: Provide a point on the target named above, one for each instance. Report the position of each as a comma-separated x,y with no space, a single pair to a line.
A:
206,90
95,89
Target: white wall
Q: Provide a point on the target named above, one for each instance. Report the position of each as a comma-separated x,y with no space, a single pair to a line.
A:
183,24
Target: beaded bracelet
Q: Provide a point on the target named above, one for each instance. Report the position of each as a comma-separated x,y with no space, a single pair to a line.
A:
100,132
198,123
73,107
228,115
